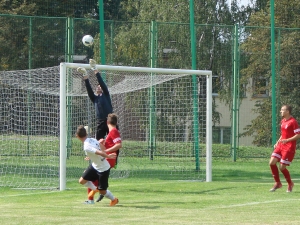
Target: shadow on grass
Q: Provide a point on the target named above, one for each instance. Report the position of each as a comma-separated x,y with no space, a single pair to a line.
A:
249,171
241,175
196,192
138,206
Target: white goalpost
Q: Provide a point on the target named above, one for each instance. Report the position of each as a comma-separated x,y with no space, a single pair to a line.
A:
144,78
165,121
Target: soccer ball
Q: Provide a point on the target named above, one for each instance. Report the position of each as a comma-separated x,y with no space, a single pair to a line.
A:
87,40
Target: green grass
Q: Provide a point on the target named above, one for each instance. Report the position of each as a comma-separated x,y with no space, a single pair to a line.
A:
239,194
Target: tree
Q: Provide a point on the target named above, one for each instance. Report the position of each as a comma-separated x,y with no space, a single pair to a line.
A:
214,39
257,49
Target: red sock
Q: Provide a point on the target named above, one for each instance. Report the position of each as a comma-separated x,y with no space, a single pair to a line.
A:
89,190
287,175
275,173
95,183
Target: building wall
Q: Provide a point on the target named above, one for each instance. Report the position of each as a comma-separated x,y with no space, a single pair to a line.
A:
246,115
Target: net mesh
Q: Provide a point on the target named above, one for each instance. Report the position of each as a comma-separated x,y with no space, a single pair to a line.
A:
155,118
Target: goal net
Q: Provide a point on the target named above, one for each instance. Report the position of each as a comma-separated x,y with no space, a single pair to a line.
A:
164,120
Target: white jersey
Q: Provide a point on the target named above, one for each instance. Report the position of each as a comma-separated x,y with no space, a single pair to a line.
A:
100,163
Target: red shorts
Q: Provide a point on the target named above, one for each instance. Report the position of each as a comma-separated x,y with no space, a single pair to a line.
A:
285,155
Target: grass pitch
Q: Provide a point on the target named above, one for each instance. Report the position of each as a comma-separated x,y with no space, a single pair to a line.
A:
239,194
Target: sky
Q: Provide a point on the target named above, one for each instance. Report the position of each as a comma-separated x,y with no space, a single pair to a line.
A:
245,2
242,2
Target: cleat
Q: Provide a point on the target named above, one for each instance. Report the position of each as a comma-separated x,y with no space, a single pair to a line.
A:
276,186
290,187
89,202
100,198
114,202
92,193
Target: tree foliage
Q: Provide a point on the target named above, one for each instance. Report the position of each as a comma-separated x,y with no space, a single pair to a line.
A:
62,8
40,42
214,39
257,47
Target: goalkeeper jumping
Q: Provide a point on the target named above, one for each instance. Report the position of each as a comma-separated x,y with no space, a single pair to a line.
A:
103,106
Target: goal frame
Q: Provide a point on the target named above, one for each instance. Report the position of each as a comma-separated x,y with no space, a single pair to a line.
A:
63,114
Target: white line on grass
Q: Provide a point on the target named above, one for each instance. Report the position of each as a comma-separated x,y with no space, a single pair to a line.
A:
252,203
35,193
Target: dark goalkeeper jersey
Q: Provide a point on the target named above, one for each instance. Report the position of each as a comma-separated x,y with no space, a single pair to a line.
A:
101,102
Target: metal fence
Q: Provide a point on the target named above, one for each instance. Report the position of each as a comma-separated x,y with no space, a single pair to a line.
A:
238,56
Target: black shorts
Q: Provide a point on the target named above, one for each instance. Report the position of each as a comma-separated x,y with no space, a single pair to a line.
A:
91,174
102,129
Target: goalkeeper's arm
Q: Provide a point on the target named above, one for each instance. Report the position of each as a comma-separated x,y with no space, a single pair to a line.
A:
89,90
102,83
87,83
99,78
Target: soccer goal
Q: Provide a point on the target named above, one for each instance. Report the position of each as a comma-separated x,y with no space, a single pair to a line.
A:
165,120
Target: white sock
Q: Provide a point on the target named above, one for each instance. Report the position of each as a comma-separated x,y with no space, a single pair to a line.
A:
90,185
109,195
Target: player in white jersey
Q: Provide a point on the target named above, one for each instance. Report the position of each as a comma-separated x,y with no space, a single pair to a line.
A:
99,169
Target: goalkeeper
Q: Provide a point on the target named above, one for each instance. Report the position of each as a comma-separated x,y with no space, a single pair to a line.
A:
103,106
101,100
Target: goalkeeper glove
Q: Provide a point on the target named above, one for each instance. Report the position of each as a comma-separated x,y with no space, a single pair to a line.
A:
83,71
93,64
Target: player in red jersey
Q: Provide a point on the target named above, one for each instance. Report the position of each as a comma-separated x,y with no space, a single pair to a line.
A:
285,148
112,142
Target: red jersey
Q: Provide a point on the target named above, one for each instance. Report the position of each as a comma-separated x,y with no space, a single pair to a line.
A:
112,138
289,128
